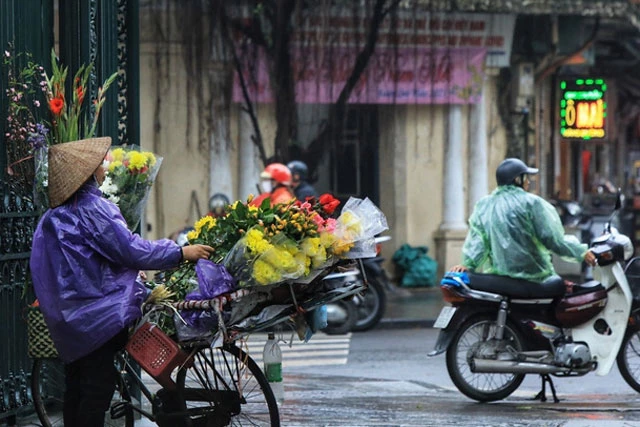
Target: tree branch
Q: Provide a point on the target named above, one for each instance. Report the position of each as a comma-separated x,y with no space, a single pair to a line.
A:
337,112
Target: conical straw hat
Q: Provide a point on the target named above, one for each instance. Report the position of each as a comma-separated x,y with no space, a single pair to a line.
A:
71,164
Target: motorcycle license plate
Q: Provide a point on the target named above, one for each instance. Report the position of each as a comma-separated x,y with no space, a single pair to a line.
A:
444,317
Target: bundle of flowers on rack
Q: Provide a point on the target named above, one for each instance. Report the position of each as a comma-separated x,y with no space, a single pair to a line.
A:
130,175
266,249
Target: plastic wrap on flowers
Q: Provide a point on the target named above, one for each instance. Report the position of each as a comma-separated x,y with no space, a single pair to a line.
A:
356,227
41,185
258,260
130,175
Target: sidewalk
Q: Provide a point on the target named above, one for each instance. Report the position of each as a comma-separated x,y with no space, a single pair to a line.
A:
412,307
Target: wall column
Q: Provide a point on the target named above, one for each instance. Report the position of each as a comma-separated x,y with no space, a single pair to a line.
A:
450,237
453,188
220,179
478,173
248,163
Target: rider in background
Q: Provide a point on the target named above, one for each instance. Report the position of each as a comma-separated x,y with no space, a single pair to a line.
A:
217,205
301,187
275,181
512,232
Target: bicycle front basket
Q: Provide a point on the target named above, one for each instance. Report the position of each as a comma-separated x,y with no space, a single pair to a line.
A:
156,353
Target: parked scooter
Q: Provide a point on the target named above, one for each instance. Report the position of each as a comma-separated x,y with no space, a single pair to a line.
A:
371,304
498,329
362,311
342,314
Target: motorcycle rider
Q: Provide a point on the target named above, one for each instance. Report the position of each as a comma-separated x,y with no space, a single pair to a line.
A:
512,232
301,187
276,184
217,205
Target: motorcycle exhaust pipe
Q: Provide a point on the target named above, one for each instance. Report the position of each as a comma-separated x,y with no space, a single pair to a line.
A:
484,366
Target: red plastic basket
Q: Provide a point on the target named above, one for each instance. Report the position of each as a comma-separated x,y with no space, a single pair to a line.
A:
156,353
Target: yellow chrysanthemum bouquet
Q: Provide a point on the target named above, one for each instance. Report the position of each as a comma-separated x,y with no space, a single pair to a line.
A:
130,174
265,245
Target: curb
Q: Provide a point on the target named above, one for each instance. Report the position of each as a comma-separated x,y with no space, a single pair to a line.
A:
404,323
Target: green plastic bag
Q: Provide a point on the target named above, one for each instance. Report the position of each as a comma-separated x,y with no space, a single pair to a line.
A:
418,269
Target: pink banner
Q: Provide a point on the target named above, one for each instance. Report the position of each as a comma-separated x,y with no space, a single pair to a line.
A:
393,76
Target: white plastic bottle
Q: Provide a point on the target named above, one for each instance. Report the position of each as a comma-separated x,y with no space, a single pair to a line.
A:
272,360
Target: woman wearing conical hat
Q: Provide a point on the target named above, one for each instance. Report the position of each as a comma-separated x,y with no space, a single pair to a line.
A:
85,264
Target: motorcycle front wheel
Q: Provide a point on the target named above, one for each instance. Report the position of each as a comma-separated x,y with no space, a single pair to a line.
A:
474,339
628,359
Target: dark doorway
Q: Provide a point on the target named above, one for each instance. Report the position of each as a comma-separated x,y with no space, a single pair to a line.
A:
354,160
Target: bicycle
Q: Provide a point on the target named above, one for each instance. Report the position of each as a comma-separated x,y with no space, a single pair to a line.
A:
223,382
211,386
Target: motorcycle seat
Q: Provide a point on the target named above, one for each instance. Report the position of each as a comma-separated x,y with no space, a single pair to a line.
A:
517,288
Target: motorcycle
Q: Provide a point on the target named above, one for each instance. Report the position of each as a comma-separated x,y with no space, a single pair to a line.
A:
362,311
341,314
499,329
371,304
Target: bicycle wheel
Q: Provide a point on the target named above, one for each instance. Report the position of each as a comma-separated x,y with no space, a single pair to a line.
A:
47,389
47,392
225,386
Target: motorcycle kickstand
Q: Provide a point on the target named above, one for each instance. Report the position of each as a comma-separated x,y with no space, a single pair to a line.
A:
542,395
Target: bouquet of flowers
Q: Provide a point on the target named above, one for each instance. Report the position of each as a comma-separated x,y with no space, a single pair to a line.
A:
40,113
130,174
266,245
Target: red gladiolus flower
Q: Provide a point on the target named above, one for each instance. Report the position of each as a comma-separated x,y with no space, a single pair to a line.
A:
56,105
80,93
329,203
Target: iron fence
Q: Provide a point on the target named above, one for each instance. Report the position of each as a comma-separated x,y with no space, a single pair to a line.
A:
17,223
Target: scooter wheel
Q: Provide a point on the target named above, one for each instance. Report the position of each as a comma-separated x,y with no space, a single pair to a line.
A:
371,306
341,316
471,339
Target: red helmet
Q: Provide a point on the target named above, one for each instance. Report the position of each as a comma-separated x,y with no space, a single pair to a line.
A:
278,172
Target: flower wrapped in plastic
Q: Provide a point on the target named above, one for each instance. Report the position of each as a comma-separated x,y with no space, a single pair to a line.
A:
356,227
130,175
259,260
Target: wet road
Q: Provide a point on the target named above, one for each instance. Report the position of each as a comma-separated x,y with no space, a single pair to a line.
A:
387,380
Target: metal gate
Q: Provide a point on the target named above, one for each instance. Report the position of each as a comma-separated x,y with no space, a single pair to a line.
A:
104,32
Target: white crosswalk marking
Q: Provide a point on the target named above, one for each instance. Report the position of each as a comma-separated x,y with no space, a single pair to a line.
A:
322,349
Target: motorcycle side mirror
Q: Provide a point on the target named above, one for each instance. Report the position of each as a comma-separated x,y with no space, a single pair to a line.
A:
615,209
618,200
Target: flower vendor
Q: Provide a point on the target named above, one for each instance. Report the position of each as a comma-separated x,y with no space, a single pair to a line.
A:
85,265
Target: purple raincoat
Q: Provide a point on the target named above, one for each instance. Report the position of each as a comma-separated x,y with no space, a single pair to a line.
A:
84,265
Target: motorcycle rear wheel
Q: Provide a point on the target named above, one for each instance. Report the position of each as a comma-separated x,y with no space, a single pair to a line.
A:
628,359
483,387
372,306
346,317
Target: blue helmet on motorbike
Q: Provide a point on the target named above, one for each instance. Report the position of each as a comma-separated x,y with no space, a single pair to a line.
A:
300,168
512,168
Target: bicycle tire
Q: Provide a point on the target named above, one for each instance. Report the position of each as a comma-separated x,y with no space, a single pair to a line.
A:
225,386
47,390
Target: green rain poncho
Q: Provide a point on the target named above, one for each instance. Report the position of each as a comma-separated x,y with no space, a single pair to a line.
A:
513,232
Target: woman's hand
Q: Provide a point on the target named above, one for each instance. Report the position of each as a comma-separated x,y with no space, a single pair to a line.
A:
195,252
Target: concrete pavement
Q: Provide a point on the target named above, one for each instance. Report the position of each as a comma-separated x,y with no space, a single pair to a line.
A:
412,307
